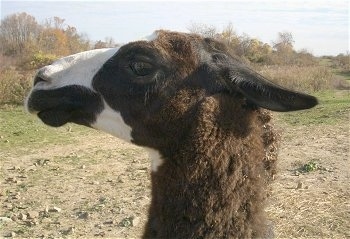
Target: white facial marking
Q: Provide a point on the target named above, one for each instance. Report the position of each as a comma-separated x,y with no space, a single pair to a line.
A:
77,69
156,158
110,121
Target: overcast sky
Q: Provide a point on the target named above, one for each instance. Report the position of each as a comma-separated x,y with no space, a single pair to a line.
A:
320,26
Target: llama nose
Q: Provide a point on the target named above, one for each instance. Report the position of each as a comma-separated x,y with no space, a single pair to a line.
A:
40,77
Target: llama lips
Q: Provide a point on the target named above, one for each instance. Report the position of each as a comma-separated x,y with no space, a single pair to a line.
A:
75,104
55,117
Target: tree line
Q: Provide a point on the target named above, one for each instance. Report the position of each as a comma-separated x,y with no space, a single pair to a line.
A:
22,37
280,52
21,34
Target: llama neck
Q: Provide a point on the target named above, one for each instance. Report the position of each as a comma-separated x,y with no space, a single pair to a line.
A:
210,187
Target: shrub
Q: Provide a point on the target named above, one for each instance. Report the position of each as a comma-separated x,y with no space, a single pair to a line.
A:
38,60
310,166
342,61
14,86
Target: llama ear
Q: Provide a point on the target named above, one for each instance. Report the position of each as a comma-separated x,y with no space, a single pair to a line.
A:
264,93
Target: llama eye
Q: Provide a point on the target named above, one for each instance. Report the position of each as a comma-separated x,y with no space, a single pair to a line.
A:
141,68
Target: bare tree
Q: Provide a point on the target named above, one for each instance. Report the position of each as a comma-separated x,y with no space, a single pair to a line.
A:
55,23
203,29
109,42
16,31
230,37
284,48
284,40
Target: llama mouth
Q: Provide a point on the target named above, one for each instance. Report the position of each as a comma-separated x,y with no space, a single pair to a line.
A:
55,117
56,107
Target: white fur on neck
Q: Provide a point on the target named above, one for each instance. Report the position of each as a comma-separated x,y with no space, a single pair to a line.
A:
110,121
156,159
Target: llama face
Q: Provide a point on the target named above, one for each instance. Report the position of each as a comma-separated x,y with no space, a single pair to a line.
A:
148,92
105,88
63,93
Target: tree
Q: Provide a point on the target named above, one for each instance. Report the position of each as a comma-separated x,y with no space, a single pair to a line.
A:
54,41
17,32
243,46
21,35
284,41
284,48
230,37
258,51
203,30
107,43
76,42
61,39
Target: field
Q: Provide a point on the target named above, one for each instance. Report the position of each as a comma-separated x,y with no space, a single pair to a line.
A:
77,182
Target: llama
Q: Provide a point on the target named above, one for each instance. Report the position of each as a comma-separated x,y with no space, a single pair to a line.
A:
199,111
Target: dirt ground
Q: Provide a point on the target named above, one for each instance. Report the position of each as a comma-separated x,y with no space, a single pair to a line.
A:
100,187
312,204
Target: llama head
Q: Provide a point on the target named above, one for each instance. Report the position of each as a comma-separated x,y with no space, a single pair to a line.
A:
146,91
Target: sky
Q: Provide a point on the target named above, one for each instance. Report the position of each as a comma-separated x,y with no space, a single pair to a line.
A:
320,26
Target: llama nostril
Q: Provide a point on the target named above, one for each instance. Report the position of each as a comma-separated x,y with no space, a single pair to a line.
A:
41,76
38,79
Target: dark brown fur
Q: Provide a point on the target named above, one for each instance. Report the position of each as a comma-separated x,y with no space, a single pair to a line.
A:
214,184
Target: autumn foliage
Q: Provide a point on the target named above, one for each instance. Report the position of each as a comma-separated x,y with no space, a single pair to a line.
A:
22,37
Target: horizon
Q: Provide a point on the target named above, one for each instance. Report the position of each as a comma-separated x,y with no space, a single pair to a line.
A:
320,27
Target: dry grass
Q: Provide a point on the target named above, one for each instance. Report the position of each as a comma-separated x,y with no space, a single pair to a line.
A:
313,203
298,211
7,61
302,78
